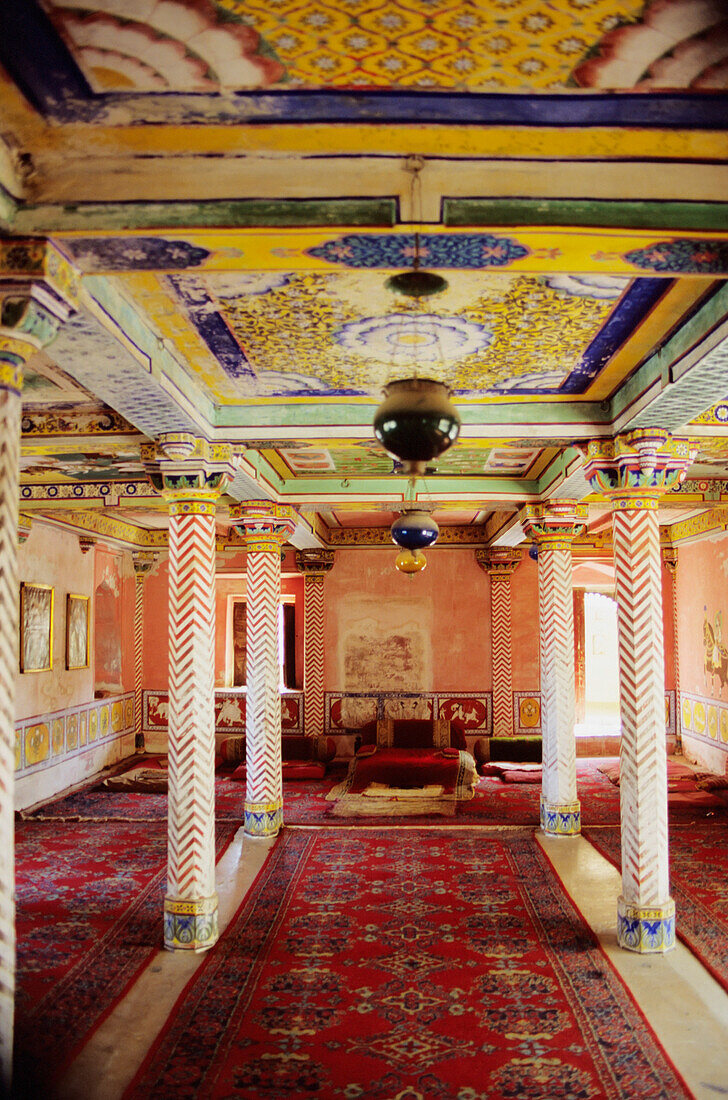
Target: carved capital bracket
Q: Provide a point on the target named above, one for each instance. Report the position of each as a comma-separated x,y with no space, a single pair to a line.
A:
670,559
86,543
499,562
190,473
263,524
555,524
143,562
314,563
635,469
24,526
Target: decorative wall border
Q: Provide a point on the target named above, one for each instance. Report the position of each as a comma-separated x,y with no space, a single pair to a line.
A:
347,710
229,711
670,716
46,739
705,719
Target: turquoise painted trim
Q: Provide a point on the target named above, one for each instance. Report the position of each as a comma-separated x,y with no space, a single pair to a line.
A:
216,213
658,365
163,363
335,412
375,487
558,467
619,213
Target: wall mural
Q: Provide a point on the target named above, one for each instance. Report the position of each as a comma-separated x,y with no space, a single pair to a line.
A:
715,662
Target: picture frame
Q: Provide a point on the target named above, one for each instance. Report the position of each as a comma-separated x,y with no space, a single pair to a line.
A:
77,631
36,627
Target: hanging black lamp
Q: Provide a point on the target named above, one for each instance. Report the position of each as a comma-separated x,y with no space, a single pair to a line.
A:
416,422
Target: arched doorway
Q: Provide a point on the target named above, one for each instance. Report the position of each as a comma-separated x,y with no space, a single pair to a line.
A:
600,674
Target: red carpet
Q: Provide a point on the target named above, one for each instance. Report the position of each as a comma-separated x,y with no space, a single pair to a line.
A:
698,876
89,915
304,803
445,964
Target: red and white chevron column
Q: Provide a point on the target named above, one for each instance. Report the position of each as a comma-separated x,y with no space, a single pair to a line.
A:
500,564
32,316
10,408
190,906
142,561
266,528
633,471
314,564
553,526
190,474
646,912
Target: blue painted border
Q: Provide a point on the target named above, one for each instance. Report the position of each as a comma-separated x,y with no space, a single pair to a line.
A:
43,68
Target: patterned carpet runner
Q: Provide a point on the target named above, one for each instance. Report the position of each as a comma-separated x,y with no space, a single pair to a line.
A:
89,916
698,876
450,964
304,803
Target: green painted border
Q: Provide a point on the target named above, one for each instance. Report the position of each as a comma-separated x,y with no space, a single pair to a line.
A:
217,213
613,213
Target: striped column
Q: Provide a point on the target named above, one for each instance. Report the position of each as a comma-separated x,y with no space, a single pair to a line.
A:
314,564
266,527
633,471
553,527
29,318
190,475
670,561
500,565
142,561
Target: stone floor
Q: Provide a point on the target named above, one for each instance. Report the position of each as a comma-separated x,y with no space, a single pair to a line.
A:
687,1008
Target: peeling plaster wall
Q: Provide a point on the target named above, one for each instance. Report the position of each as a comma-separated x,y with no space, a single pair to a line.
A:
388,632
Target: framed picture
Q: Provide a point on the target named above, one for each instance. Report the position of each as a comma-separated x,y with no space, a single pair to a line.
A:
36,627
77,631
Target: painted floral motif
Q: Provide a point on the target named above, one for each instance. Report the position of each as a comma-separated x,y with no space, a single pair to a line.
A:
682,256
437,250
422,337
178,45
93,254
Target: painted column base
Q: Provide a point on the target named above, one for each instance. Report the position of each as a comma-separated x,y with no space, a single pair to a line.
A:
190,924
560,818
648,930
263,818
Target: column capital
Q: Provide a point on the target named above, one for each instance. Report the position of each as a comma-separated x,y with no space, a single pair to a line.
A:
499,561
263,524
635,469
86,543
143,562
190,473
314,563
555,523
30,316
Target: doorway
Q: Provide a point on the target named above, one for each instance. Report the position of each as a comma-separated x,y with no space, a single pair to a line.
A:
600,711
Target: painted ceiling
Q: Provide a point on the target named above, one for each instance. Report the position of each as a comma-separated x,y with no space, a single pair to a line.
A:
221,190
201,46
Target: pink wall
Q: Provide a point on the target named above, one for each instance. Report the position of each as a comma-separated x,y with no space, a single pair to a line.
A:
385,631
156,618
702,590
524,613
114,619
53,556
